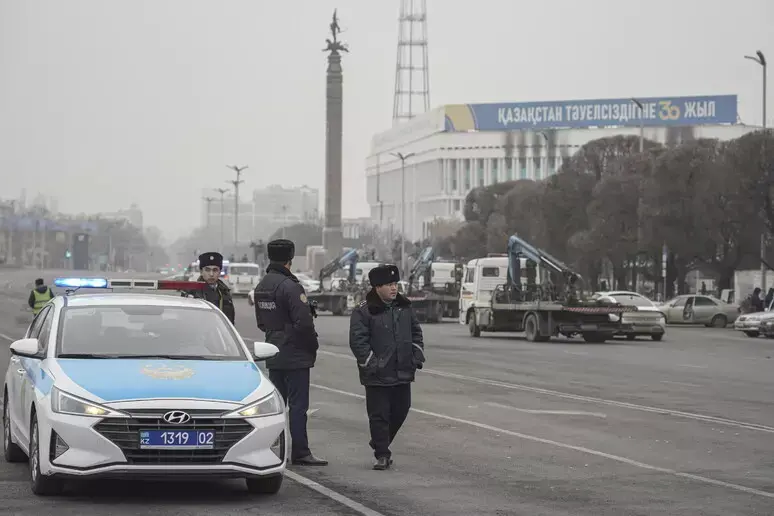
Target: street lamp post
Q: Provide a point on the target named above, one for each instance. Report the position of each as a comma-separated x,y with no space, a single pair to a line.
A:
402,157
761,60
222,192
642,124
236,184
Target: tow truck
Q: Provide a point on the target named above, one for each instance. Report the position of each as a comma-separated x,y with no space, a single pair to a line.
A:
343,294
433,298
541,310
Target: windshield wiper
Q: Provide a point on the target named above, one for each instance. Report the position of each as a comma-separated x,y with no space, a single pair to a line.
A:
84,355
174,357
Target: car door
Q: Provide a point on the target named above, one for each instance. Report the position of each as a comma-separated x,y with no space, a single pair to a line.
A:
704,309
675,310
17,373
32,366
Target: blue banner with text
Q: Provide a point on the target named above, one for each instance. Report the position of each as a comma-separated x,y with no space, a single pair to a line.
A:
656,111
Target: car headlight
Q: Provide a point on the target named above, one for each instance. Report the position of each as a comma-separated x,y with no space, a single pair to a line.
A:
64,403
271,405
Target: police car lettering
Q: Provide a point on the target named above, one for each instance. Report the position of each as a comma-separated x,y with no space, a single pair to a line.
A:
267,305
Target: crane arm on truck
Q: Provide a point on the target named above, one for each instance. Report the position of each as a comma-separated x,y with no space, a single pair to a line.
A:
421,268
520,248
348,258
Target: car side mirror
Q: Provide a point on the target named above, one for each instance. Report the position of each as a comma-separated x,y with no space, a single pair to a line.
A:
264,350
25,348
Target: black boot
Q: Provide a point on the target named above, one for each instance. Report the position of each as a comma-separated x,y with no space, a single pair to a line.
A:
382,463
310,460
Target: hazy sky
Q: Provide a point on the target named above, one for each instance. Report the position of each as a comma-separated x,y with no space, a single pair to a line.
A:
108,102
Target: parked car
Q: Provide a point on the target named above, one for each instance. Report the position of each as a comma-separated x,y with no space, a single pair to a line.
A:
647,321
755,323
699,309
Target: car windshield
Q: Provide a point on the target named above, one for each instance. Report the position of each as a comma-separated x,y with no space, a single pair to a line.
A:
146,332
244,270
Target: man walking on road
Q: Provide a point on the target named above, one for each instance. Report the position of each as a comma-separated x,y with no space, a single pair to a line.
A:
386,339
39,296
283,314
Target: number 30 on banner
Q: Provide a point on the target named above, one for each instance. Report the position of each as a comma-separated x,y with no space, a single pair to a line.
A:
668,111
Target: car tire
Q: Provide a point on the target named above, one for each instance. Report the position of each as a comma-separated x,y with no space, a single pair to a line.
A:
657,336
752,334
595,337
11,450
631,336
41,485
719,321
264,486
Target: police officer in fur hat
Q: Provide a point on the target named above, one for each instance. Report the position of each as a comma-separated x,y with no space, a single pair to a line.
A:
283,314
216,292
386,339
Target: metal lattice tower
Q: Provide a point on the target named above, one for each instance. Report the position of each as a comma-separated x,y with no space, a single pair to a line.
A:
412,77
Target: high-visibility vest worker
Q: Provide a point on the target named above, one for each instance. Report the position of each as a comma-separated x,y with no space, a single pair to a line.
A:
39,296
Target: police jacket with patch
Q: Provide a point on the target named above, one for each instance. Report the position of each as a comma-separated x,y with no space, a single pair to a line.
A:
386,341
219,296
282,313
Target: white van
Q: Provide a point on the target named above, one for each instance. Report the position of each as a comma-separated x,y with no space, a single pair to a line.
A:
241,278
480,277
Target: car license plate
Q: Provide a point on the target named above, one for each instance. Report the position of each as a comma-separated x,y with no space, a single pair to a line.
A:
177,439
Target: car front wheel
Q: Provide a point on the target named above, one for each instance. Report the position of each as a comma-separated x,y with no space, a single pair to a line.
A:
11,450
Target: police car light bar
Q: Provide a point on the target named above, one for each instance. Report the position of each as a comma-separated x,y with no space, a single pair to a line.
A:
144,284
138,284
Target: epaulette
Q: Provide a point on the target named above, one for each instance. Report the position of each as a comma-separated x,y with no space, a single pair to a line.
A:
362,304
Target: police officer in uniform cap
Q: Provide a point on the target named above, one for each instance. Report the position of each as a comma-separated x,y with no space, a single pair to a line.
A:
386,339
283,314
216,292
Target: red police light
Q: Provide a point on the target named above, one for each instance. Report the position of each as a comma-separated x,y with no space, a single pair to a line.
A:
180,285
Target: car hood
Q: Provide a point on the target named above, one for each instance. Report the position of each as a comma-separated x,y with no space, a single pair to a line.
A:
132,379
757,316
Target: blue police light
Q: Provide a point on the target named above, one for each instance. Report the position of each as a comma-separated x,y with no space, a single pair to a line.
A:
81,283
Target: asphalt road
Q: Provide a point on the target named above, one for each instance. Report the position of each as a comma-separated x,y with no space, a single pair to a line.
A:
501,426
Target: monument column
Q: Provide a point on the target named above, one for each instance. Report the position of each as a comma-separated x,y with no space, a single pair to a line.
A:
333,239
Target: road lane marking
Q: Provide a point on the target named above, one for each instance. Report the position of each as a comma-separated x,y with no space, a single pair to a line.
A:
333,495
685,384
581,353
693,366
589,399
547,412
307,482
582,449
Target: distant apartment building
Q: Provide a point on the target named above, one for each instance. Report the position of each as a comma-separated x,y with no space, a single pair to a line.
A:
260,216
133,215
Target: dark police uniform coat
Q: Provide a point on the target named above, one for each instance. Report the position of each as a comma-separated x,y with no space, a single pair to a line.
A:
386,341
219,296
283,314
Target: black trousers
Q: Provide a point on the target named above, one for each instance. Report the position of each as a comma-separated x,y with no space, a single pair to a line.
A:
387,410
293,385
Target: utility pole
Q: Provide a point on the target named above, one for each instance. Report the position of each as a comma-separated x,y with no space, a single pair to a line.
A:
236,184
642,124
222,192
761,60
208,200
402,157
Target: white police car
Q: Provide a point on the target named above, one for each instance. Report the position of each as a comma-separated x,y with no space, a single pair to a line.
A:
137,385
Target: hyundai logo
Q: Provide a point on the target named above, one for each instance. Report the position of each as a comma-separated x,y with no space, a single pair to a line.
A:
176,417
